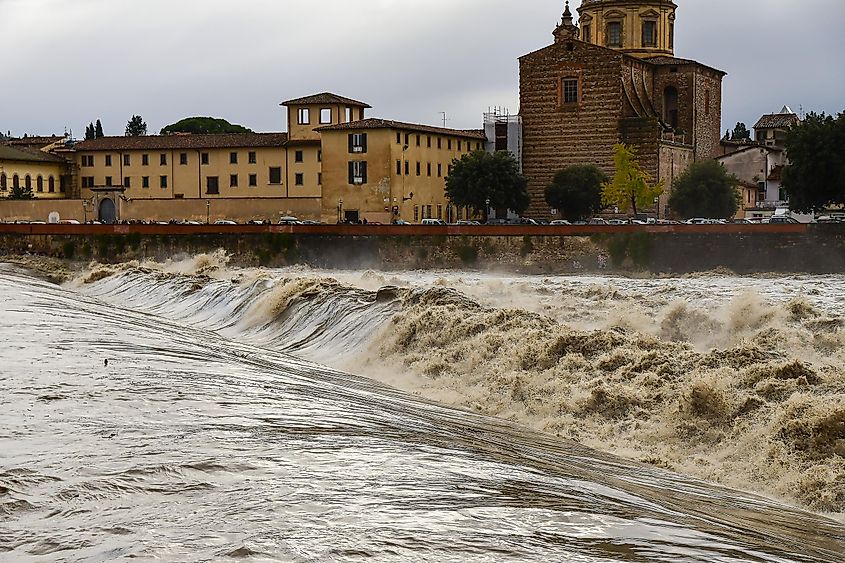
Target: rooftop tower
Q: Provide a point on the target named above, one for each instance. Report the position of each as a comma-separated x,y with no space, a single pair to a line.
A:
643,28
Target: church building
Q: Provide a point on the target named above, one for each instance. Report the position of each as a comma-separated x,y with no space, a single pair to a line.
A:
615,78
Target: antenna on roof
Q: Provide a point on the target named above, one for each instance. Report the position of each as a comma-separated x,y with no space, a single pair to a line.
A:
445,119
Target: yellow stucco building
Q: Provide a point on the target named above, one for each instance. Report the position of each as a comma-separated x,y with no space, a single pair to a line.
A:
43,173
334,164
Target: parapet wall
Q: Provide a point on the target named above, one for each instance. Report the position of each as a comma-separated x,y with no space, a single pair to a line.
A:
658,250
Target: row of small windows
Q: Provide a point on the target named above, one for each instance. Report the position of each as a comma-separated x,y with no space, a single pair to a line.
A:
428,142
27,182
88,160
275,177
428,169
303,116
614,36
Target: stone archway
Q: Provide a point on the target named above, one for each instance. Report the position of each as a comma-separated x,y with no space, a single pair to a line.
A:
108,211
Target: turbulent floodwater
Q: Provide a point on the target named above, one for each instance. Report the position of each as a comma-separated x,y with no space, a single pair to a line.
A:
225,424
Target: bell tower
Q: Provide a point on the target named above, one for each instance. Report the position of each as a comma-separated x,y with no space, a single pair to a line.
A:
643,28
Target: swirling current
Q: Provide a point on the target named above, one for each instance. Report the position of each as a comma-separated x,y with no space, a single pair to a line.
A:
193,412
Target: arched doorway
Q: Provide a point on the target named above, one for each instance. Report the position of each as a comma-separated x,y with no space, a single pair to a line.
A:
108,212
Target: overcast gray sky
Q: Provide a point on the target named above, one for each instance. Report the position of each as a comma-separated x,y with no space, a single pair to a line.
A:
64,63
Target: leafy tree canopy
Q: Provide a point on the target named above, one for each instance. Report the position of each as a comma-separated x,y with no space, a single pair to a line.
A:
576,191
631,187
705,190
136,127
480,176
815,176
741,132
21,192
207,125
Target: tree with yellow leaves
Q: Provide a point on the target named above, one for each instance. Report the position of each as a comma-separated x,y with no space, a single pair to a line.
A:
631,186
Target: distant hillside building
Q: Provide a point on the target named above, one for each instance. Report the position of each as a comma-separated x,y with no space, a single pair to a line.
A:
771,129
616,79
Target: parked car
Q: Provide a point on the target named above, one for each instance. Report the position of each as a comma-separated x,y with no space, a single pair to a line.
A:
289,220
597,221
560,222
224,222
68,222
617,222
400,222
438,222
467,223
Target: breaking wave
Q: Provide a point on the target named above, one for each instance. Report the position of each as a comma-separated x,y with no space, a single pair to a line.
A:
743,387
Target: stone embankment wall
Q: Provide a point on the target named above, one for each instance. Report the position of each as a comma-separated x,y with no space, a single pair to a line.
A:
790,249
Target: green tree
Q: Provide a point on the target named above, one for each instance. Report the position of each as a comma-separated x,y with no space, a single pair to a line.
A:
814,179
21,192
89,132
98,130
741,132
204,125
631,187
481,178
576,191
705,190
136,127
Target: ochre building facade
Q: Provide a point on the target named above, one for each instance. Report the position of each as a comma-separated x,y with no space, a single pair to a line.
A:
616,79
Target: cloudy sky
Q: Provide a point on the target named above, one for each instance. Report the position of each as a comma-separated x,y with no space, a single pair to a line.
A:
65,63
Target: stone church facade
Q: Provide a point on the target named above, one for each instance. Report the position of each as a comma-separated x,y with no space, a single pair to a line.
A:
616,79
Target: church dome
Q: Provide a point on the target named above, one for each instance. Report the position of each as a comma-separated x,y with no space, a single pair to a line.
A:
643,28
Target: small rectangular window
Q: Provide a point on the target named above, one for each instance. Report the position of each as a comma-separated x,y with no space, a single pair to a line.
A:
299,179
398,138
419,168
163,181
212,185
428,141
183,158
252,157
428,211
348,115
108,181
649,34
233,158
614,34
204,158
439,170
358,143
233,180
428,169
319,178
587,34
303,116
275,175
357,172
127,182
127,161
460,145
439,211
448,144
163,159
108,160
407,168
418,140
439,143
569,88
319,156
145,182
145,160
325,116
416,214
407,139
298,157
253,180
398,167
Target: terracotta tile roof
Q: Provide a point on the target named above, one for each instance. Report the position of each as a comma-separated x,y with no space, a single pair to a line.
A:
34,141
165,142
374,123
325,98
665,60
20,154
777,121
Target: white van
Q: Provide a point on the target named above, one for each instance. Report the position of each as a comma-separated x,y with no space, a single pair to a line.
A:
434,222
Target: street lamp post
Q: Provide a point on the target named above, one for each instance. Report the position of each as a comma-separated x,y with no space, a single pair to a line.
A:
340,210
207,211
85,210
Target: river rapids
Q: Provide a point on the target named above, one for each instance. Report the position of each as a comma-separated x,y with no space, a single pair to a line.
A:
190,411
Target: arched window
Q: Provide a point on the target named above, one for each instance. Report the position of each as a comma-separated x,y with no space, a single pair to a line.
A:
51,184
39,184
3,182
27,182
16,181
670,106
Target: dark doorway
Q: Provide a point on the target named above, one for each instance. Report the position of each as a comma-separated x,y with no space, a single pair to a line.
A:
108,212
350,216
670,106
